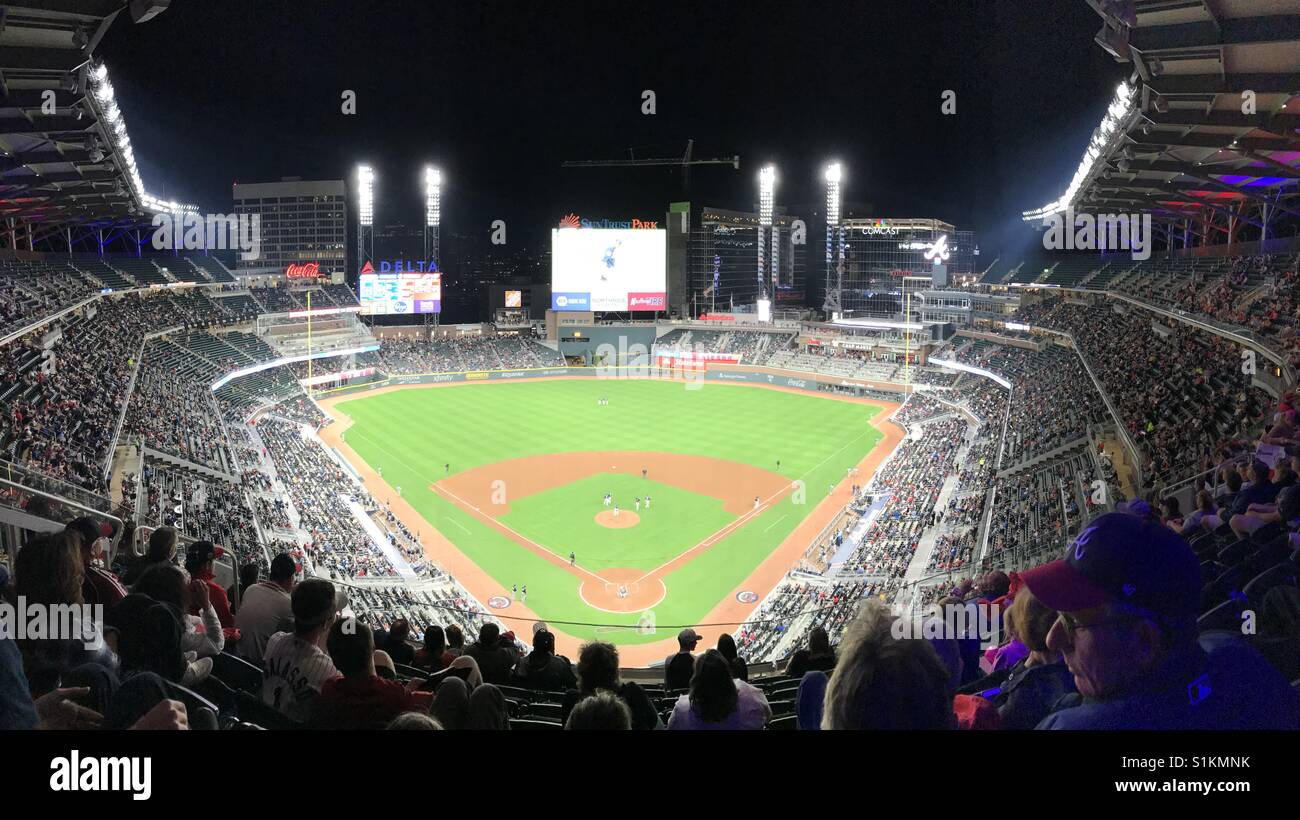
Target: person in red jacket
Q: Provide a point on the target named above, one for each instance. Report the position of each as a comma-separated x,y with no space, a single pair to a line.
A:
199,559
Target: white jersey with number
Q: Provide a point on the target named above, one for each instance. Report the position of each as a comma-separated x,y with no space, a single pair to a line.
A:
294,672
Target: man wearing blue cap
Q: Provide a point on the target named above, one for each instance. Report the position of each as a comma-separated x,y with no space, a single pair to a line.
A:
1127,592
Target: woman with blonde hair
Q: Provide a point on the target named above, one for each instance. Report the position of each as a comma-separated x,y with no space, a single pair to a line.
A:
885,682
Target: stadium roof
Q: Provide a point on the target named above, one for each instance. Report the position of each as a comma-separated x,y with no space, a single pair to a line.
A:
1207,124
65,155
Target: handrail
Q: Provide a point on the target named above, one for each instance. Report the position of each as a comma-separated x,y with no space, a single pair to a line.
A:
33,478
1105,397
121,416
40,323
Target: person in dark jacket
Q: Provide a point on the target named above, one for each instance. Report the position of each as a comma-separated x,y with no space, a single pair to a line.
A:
543,669
494,658
818,656
1127,593
598,671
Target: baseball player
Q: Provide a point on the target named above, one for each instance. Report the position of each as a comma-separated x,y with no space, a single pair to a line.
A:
643,472
638,504
647,503
573,559
514,593
756,502
616,511
523,594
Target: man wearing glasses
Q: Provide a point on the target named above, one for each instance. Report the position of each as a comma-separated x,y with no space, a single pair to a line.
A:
1128,592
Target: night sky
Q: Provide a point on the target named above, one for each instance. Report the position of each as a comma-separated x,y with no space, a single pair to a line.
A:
500,93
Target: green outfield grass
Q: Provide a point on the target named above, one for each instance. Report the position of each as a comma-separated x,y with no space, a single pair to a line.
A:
411,434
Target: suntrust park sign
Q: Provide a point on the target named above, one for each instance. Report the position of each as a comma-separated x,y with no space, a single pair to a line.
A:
575,221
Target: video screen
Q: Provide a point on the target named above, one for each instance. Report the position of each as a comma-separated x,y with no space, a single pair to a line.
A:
608,269
395,294
514,298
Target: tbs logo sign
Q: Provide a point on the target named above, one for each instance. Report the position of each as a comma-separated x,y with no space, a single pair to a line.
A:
645,301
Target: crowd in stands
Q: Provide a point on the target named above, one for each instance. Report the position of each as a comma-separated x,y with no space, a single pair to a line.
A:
407,354
1181,391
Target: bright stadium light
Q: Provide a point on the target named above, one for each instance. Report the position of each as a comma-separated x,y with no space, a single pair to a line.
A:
1104,137
103,102
432,196
766,194
365,195
834,173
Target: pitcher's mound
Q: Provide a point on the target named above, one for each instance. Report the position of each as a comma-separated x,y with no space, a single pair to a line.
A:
622,521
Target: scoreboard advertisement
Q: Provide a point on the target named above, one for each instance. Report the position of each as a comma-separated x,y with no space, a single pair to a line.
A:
396,294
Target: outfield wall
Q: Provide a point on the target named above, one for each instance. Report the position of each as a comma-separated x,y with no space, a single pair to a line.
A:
812,382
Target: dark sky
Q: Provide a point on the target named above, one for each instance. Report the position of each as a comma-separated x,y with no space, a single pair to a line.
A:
500,93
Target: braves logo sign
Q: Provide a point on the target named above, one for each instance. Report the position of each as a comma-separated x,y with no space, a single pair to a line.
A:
938,252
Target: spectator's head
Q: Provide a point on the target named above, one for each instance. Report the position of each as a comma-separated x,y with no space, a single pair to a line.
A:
351,645
283,570
49,569
819,643
165,583
1258,472
544,642
415,721
435,641
1170,509
994,585
94,536
487,709
162,545
488,634
399,631
727,646
455,637
314,606
687,640
149,636
597,667
601,711
1034,620
1127,593
884,682
1205,501
248,575
1232,479
713,694
200,556
1282,472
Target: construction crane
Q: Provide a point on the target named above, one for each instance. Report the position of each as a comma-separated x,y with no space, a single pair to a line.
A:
686,160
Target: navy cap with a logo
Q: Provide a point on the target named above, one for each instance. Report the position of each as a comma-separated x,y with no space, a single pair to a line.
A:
1122,558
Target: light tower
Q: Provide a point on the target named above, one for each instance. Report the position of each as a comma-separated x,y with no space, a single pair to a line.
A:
834,239
365,215
433,215
766,199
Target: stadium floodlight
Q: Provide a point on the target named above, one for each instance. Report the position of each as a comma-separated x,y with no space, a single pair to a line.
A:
1105,138
766,194
834,174
366,195
432,196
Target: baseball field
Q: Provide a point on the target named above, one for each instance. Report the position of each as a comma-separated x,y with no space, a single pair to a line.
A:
507,485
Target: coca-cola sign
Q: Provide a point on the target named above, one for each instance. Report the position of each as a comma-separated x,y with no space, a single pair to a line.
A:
307,270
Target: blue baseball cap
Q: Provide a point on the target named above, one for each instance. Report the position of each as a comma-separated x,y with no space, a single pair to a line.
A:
1123,558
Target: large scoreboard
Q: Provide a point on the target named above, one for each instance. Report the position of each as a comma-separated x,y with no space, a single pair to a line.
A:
396,294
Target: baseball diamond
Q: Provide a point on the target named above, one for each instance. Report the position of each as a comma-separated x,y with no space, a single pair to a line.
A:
516,503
